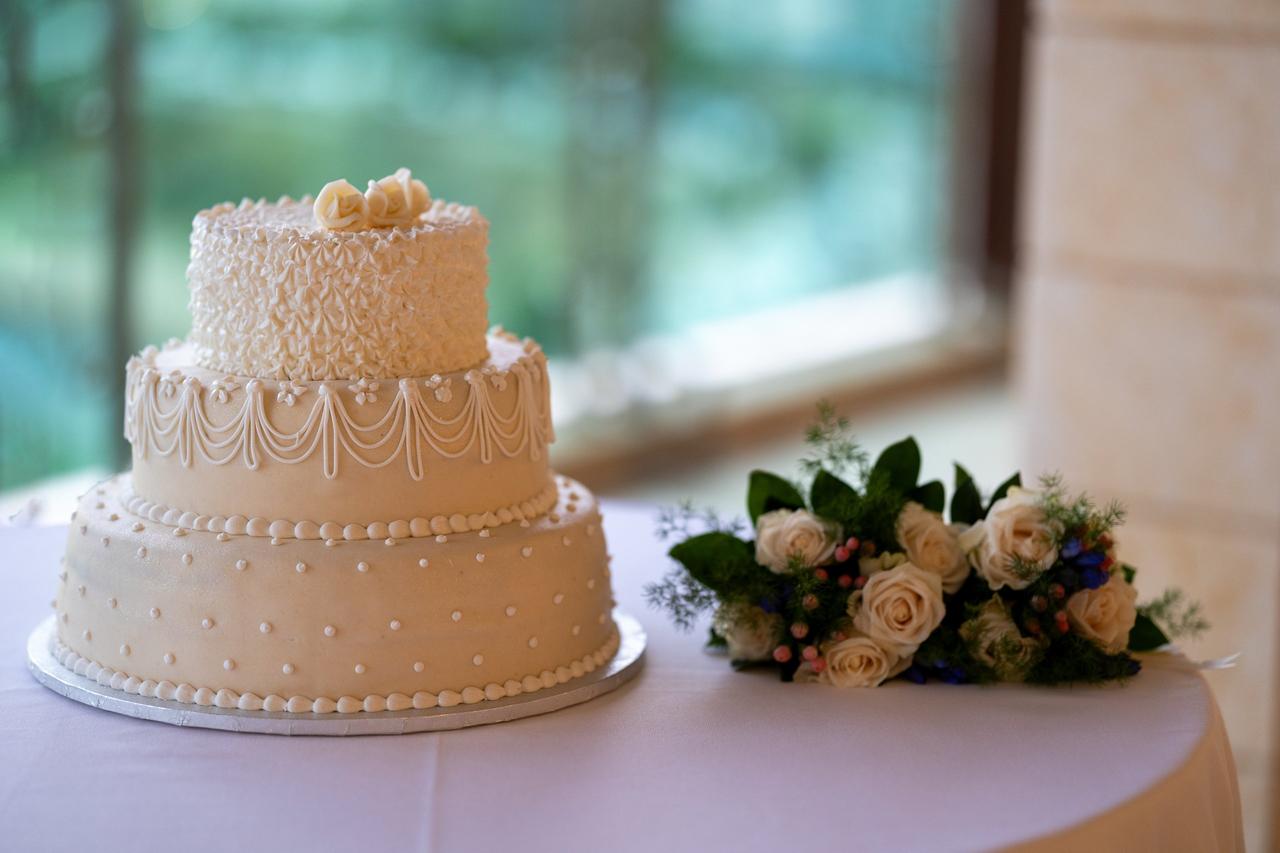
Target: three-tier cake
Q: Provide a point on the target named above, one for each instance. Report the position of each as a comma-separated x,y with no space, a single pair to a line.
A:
340,498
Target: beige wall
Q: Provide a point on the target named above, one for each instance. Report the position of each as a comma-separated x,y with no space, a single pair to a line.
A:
1148,343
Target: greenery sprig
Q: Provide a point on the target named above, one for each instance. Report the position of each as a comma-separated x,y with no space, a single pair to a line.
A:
1179,617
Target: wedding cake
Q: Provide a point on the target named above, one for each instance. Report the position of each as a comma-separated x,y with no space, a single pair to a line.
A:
340,498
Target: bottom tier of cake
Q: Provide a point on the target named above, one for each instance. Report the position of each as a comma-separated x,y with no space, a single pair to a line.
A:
314,626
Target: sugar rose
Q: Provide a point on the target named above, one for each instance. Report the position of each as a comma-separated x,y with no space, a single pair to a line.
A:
1105,615
932,545
1014,544
860,661
396,199
341,207
994,640
750,633
899,608
785,537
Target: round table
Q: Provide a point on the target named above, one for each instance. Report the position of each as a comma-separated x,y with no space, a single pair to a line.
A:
689,756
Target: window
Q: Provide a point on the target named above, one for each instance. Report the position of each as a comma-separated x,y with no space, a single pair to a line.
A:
666,181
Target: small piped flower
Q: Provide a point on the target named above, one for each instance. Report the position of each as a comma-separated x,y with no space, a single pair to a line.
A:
290,392
222,389
365,391
441,388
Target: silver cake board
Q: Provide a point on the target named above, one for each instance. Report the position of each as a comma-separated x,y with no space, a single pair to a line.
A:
624,666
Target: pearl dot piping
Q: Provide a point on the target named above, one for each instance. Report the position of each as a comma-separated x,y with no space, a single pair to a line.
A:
227,698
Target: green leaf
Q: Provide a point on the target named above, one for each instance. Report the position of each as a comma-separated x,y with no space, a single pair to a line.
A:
1003,489
719,561
1146,635
1129,573
931,495
900,464
715,641
966,501
832,497
767,492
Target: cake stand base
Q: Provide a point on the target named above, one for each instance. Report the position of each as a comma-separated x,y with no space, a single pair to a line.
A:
624,666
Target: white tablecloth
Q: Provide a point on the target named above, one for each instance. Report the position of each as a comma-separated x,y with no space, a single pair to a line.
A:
690,756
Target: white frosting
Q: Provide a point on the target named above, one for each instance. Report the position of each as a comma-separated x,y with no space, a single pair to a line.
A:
300,619
389,447
274,294
224,697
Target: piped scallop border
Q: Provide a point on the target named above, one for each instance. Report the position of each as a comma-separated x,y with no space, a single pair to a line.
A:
373,703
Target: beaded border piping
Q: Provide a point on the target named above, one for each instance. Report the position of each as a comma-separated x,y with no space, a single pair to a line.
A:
332,531
166,413
227,698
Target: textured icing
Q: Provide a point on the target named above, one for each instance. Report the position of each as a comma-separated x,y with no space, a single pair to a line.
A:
302,620
469,444
273,294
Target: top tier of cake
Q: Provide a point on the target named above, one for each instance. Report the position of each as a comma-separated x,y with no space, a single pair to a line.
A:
275,295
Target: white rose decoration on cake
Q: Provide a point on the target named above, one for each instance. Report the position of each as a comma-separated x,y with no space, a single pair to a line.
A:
341,207
932,545
1105,615
396,200
750,633
786,536
899,608
859,661
1014,544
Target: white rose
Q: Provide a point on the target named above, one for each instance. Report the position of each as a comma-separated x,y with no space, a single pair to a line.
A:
341,207
932,545
1013,545
1105,615
859,661
993,639
899,608
750,633
785,535
396,199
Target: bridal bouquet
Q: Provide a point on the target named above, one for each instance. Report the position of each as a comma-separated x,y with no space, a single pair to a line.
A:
854,576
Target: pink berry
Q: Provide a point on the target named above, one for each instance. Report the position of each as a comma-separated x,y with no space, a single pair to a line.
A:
818,665
810,653
782,654
809,602
852,543
799,630
842,554
845,581
820,574
860,581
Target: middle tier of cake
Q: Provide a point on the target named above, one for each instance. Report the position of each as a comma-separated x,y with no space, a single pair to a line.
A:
365,459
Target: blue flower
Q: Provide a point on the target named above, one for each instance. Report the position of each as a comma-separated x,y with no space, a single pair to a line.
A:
1093,577
914,674
1091,558
1071,548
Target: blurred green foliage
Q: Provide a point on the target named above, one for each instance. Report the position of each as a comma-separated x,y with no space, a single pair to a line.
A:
645,166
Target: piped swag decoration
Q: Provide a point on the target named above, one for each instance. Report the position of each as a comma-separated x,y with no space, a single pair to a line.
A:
853,576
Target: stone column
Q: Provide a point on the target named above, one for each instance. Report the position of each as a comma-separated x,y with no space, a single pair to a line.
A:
1148,332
